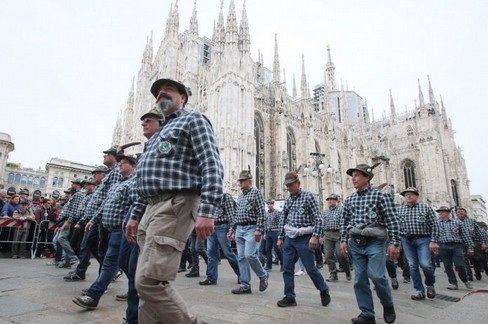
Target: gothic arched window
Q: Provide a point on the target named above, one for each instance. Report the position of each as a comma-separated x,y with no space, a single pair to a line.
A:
455,194
17,178
291,149
11,178
409,173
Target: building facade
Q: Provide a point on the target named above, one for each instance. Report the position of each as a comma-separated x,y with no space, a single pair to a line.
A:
263,124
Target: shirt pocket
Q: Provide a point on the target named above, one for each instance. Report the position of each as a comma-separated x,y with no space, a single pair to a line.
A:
170,142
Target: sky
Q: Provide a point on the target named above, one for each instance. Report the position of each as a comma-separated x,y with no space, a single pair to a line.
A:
67,66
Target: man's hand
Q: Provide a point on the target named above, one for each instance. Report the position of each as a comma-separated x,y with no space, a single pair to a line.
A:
313,243
257,236
470,252
344,249
66,225
77,227
434,247
88,226
131,231
321,240
279,244
230,235
393,252
204,227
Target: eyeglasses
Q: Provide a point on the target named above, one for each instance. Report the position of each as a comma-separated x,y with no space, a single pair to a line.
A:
148,120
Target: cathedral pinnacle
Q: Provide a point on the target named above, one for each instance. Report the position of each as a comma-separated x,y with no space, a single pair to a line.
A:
392,107
421,95
276,62
194,21
431,93
231,34
244,36
330,71
304,85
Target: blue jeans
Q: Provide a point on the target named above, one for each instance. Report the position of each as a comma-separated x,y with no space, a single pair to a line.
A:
219,238
64,241
110,266
369,262
271,240
128,264
247,254
417,252
453,252
293,249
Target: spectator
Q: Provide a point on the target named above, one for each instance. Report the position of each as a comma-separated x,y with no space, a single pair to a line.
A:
11,206
25,215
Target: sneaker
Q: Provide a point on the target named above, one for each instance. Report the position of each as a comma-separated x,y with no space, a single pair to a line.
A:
394,283
85,302
241,291
181,269
325,297
122,297
468,285
332,278
263,283
430,292
454,286
117,275
73,277
207,282
361,319
286,302
389,315
299,273
418,296
406,280
83,292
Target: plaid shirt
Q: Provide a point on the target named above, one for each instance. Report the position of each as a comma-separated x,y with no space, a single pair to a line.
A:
273,218
301,210
117,204
250,208
365,207
223,214
70,211
419,219
94,205
82,208
474,230
331,219
453,231
182,156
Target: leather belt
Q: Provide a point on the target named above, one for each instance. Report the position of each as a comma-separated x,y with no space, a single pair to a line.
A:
168,195
246,223
221,223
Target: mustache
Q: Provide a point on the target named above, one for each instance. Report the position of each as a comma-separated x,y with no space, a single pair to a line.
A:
164,96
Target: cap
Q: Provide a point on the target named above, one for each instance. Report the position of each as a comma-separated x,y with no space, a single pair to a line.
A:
270,201
443,208
131,158
112,150
364,169
245,175
333,196
89,182
24,202
78,181
153,112
180,86
410,189
67,191
23,192
291,177
100,169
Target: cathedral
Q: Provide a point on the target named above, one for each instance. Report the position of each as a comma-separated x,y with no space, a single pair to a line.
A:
268,127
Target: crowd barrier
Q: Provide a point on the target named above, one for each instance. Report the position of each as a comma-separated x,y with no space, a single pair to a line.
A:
40,235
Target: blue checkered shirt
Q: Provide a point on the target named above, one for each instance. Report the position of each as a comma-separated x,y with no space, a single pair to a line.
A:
70,211
419,219
453,231
250,208
223,214
331,219
94,205
117,204
301,210
474,230
273,218
82,208
366,207
183,156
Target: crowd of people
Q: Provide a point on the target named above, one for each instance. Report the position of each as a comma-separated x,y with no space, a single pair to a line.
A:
149,215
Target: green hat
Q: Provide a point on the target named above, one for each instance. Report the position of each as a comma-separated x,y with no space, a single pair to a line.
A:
291,177
410,189
180,86
112,150
460,208
444,208
245,175
89,182
79,181
364,169
153,112
131,158
100,169
333,197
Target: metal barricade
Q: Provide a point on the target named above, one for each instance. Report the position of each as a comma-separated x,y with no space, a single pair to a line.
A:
12,231
45,233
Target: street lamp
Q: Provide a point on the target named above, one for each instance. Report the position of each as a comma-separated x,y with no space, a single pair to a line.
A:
318,171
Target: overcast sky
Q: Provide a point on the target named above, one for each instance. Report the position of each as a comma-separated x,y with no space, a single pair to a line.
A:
67,66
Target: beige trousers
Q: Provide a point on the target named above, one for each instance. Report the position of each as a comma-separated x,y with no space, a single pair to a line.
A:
162,235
